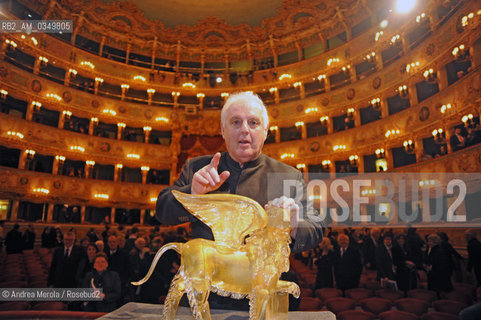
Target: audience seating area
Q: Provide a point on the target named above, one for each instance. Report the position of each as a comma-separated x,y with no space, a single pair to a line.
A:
370,302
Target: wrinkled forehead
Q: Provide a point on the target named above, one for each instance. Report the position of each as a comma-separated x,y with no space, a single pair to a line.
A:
244,109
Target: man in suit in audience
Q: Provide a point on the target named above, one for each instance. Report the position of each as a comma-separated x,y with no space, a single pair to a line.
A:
347,264
369,245
384,260
64,264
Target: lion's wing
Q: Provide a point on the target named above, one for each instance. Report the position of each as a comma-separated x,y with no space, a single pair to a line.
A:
230,217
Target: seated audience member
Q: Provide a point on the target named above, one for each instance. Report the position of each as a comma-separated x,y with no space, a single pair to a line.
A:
347,264
108,281
65,261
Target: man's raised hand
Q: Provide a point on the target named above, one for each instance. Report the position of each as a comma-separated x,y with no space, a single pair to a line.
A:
208,179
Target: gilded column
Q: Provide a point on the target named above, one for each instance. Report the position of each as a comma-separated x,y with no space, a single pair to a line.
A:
154,49
127,53
142,216
278,135
277,98
249,54
273,50
449,133
202,63
36,66
389,158
304,131
101,47
50,211
327,84
14,210
302,91
78,24
147,131
300,54
51,6
61,120
112,215
419,148
357,118
360,164
29,113
378,60
442,76
82,214
23,159
177,56
413,94
384,108
226,60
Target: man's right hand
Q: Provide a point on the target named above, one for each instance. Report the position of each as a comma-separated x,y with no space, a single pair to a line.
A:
208,179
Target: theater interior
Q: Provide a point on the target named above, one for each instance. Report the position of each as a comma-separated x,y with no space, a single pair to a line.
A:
95,121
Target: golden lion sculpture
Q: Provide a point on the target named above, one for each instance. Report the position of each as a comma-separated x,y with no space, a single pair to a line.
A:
246,259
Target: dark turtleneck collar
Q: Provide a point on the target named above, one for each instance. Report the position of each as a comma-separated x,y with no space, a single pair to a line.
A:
232,164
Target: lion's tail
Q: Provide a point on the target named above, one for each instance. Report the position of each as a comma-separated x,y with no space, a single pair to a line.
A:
177,246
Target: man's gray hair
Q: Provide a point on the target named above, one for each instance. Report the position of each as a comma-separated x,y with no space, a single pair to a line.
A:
248,98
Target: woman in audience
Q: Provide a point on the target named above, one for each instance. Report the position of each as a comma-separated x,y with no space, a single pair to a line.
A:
86,264
108,281
405,267
439,265
324,263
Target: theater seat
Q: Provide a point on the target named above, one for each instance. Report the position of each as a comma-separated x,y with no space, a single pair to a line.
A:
466,288
397,315
375,305
326,293
456,296
358,294
50,305
310,304
355,315
340,304
43,314
439,316
412,305
449,306
14,305
306,292
389,294
423,294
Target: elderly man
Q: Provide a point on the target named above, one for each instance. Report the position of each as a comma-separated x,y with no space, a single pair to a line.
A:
246,171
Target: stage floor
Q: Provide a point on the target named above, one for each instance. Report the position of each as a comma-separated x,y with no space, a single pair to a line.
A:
144,311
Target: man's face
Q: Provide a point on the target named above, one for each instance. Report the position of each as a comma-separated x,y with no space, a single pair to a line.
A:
244,131
343,241
68,240
388,241
100,264
113,243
